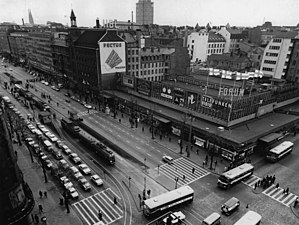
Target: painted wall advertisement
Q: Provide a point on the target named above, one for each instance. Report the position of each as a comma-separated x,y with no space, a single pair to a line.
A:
113,57
192,100
128,81
144,87
166,92
210,102
178,96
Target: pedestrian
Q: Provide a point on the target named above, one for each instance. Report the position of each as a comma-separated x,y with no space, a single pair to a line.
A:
60,201
16,153
115,200
184,177
287,191
36,218
32,217
193,170
273,179
207,158
197,150
40,194
215,163
57,104
160,136
40,207
203,163
45,194
255,185
169,139
191,147
142,129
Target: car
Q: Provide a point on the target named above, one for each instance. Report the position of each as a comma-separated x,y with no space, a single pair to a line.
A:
230,206
66,150
73,155
88,106
74,169
67,94
64,164
78,175
53,138
10,69
41,154
48,164
44,158
76,160
85,184
175,217
40,126
44,130
29,139
73,193
60,85
59,144
57,154
84,169
96,180
46,83
83,103
67,100
167,159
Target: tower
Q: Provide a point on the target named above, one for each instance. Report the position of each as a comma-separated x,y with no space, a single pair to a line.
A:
73,19
144,12
30,17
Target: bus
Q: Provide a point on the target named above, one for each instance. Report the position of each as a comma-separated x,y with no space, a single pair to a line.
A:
158,204
280,151
70,127
250,218
235,175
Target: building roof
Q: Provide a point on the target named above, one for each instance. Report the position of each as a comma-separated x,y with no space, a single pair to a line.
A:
213,37
111,35
156,51
281,34
228,57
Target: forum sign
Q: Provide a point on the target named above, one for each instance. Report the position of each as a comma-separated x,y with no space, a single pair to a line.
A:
231,92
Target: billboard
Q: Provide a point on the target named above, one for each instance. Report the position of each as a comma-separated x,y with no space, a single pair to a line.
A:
143,87
112,57
166,92
179,96
128,81
192,100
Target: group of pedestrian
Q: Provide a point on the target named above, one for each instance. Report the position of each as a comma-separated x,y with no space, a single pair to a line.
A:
266,182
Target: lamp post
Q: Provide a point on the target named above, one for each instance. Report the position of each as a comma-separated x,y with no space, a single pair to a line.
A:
190,135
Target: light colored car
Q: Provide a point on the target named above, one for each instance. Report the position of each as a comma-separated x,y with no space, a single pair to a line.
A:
175,217
78,175
167,159
85,184
87,106
74,169
46,83
96,180
84,169
66,150
53,138
73,193
63,164
48,164
44,130
76,160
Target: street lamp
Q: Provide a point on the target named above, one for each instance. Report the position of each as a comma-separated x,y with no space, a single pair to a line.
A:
176,182
190,134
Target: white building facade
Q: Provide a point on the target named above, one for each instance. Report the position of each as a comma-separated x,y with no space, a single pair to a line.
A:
276,56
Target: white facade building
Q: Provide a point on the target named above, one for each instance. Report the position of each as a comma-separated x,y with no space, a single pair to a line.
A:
203,43
276,56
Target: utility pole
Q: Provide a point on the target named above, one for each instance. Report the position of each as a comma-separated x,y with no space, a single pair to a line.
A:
190,134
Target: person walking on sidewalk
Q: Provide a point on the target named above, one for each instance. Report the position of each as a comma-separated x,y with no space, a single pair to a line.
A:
36,218
40,194
40,208
45,194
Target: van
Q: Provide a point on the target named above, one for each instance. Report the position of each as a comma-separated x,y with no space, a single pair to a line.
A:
230,206
213,219
48,146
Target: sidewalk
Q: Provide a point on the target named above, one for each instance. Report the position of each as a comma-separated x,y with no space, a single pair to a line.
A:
33,175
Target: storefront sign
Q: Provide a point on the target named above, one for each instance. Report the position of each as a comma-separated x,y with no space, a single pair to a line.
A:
166,92
231,91
128,81
176,131
209,102
179,96
144,87
199,142
192,100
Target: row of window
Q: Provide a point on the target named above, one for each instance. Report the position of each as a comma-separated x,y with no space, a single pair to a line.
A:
154,64
156,78
270,61
219,45
132,52
277,40
271,54
154,57
149,72
133,59
267,69
273,47
215,51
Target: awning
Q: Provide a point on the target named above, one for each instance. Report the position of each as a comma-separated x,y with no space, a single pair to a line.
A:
271,137
161,119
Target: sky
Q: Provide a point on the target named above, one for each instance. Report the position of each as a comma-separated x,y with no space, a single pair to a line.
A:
248,13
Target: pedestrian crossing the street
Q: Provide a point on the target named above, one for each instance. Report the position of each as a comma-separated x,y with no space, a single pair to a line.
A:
183,169
276,193
85,113
88,208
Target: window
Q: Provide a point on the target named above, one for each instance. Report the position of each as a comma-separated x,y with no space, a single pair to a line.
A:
192,41
137,59
132,59
267,69
273,47
270,62
277,40
294,63
129,52
271,54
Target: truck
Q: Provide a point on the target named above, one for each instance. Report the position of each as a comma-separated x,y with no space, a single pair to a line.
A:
45,117
74,116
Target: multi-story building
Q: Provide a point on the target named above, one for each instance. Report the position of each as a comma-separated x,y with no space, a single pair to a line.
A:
144,12
292,73
5,30
232,38
17,46
61,55
39,51
254,53
203,43
276,55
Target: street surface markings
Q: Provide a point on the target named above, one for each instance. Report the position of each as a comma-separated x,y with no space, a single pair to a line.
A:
182,167
85,113
88,208
273,192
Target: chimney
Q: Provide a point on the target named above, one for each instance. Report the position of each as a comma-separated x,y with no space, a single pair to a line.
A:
97,23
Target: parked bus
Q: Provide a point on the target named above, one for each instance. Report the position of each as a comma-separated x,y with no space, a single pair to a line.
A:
166,201
280,151
235,175
250,218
